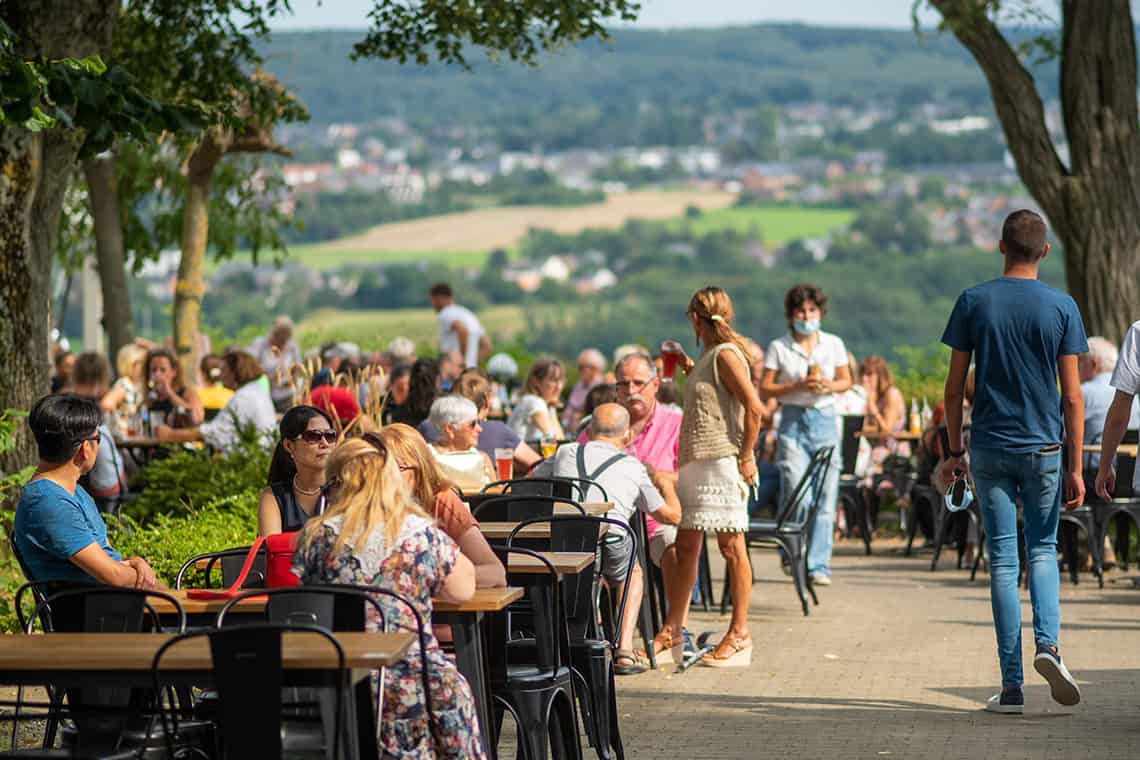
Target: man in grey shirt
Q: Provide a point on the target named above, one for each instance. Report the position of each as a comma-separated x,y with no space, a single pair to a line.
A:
629,488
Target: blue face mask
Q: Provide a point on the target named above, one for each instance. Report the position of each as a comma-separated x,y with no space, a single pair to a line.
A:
806,326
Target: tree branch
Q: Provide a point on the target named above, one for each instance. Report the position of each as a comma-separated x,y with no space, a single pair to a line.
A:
1015,96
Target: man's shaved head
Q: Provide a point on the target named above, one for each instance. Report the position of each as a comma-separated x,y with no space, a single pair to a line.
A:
609,421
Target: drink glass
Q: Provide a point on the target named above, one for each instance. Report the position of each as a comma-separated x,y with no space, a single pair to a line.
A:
504,460
670,355
549,446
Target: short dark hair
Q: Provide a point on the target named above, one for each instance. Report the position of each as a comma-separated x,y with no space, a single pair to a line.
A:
798,295
440,289
61,423
91,368
1024,235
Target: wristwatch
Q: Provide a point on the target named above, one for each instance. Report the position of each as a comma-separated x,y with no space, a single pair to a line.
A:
957,454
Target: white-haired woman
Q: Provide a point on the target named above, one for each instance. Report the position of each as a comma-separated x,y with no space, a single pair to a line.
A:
457,421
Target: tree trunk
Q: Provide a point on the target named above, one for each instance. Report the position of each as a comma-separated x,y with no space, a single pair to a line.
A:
103,195
1093,204
36,170
189,289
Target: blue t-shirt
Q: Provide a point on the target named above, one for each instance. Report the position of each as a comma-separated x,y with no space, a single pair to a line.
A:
52,525
1016,329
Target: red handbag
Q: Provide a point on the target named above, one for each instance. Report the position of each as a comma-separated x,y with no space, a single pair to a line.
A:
279,550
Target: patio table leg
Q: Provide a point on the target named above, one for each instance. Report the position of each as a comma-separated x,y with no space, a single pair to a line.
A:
470,657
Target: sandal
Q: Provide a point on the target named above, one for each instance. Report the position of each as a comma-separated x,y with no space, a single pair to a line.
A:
731,652
627,663
663,646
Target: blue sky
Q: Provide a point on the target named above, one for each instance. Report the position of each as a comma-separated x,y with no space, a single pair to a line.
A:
314,14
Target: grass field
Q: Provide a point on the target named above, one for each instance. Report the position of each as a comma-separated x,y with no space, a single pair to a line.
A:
467,238
777,224
374,328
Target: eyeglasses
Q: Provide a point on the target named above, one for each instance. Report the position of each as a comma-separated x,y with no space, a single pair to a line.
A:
406,468
96,439
316,436
633,385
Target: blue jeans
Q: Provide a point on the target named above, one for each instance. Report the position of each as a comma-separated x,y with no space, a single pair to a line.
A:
803,431
1002,479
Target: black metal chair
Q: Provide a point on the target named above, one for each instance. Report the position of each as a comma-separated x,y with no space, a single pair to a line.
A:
107,720
591,652
517,508
1123,510
249,678
230,562
566,488
851,501
790,531
538,694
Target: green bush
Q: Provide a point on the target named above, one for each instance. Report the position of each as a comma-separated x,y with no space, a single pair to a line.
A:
192,478
920,372
167,540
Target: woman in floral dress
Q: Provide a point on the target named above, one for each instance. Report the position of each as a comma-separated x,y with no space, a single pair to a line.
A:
374,533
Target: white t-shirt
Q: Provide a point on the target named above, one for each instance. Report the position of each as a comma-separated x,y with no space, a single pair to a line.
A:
1126,376
520,420
449,339
791,364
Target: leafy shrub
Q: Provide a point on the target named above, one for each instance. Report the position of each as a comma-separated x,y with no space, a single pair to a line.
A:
11,483
193,478
168,540
921,372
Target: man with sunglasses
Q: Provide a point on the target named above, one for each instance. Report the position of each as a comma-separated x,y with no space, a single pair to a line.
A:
59,533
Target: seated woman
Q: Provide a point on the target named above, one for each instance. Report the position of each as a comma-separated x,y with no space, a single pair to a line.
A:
126,394
436,495
375,533
169,400
250,408
885,413
457,421
396,399
423,389
296,472
214,395
535,416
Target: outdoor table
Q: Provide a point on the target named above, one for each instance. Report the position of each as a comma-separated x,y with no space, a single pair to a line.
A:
881,435
467,623
501,531
141,448
89,660
1124,449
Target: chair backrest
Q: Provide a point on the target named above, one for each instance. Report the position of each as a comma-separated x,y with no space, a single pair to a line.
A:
230,561
580,533
849,442
1125,472
516,508
815,488
547,638
793,511
249,676
565,488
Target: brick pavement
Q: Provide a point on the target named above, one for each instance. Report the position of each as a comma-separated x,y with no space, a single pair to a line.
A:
895,662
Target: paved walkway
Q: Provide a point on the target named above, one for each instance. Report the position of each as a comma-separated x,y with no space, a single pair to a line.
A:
897,662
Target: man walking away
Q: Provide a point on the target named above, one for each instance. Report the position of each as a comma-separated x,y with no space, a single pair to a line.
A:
459,328
1022,335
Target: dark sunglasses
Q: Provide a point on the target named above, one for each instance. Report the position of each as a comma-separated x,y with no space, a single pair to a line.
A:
316,436
97,438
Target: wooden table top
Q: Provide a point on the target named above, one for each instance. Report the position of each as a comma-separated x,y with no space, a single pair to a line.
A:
879,435
501,531
564,562
1127,449
485,600
135,651
141,442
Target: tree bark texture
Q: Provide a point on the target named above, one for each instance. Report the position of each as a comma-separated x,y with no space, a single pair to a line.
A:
189,289
110,254
34,173
1092,204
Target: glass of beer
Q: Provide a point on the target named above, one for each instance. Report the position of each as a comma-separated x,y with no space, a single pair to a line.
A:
670,355
504,461
549,446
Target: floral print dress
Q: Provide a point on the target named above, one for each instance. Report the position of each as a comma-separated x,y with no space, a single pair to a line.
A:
415,566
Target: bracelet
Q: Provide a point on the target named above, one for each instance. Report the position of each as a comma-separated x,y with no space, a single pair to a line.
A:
957,454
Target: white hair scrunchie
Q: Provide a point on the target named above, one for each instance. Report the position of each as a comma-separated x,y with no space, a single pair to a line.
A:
716,318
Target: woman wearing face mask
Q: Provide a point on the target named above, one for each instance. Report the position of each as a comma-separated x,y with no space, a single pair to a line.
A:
804,370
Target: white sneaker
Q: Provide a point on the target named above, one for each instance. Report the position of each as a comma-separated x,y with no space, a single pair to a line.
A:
1006,703
820,579
1062,685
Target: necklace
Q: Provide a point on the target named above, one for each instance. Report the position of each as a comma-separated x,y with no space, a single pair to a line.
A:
302,491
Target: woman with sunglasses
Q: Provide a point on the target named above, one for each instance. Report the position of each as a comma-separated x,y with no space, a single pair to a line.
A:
297,471
437,496
456,451
375,533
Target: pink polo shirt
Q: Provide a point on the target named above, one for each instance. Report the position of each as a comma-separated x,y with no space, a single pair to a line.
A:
656,446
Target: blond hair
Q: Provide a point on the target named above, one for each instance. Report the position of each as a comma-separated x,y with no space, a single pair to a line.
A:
128,362
713,307
368,494
410,450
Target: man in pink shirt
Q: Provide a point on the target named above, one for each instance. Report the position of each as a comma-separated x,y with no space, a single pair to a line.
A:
655,431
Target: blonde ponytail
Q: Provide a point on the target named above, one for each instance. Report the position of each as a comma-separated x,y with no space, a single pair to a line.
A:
713,306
